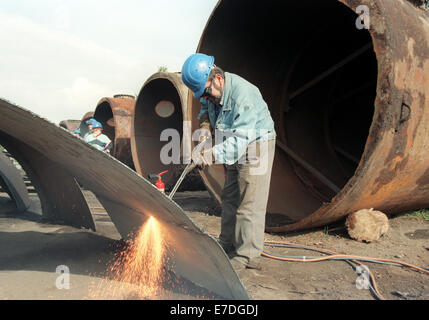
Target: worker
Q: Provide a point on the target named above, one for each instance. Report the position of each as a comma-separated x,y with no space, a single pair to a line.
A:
244,141
77,132
89,122
97,139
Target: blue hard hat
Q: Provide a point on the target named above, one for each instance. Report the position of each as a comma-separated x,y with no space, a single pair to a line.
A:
97,124
195,72
91,121
77,131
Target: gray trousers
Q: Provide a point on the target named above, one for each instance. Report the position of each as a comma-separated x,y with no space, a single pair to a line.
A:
244,201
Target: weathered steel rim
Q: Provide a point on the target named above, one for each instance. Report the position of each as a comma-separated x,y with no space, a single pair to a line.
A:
381,177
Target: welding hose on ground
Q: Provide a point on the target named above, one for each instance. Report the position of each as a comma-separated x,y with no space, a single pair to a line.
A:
352,260
372,285
332,255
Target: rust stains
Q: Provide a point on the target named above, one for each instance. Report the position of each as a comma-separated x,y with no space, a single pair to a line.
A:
390,164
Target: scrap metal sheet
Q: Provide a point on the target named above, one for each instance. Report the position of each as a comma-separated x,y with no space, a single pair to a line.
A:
194,257
14,182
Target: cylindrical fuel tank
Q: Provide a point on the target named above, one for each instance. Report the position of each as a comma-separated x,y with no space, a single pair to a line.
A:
158,126
347,86
70,125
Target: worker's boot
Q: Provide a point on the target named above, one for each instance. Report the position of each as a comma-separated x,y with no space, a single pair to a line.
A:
238,264
254,263
229,249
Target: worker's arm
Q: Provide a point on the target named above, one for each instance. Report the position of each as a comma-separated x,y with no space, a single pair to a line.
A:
203,116
108,144
108,147
204,121
231,144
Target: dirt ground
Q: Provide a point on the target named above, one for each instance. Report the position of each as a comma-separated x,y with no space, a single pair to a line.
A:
407,240
31,252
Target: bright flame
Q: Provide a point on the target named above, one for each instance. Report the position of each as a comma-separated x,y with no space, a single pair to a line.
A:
139,268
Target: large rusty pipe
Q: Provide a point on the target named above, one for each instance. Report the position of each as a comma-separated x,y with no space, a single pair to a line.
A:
115,114
349,103
161,104
70,125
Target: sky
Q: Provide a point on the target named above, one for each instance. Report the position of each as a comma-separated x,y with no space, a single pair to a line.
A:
58,58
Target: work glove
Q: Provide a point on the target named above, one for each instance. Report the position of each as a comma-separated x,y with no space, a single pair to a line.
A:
203,159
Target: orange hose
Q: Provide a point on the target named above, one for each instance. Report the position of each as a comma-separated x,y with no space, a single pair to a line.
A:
336,255
325,258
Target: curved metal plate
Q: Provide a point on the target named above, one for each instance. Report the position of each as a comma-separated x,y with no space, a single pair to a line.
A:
129,199
60,195
15,184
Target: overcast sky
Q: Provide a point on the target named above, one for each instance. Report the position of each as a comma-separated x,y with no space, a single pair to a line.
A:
58,58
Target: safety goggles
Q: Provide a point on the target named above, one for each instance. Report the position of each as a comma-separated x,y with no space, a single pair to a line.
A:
208,91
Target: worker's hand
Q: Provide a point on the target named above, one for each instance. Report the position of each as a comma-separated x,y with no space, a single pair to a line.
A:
199,160
205,135
203,159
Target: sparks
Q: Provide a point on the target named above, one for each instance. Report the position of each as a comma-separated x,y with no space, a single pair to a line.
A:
139,268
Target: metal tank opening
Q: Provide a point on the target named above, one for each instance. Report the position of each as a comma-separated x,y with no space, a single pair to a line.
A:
164,109
158,107
318,74
115,114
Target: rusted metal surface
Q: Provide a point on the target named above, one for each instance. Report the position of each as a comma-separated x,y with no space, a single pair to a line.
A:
148,125
350,102
115,114
195,258
11,180
70,125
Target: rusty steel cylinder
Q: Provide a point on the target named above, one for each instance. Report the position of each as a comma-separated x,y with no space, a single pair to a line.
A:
161,105
115,114
347,86
70,125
